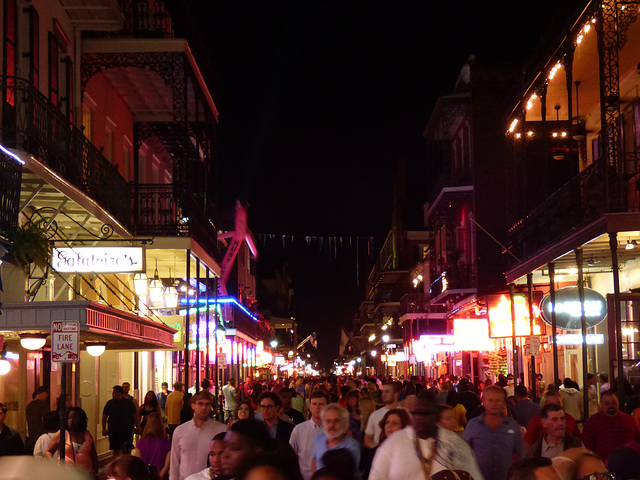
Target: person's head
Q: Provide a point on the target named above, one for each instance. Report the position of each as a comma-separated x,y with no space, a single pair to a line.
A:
178,386
205,384
425,415
317,401
553,396
41,393
117,393
391,392
447,386
452,398
464,385
164,387
446,417
604,378
154,427
151,399
201,403
535,468
244,410
510,379
372,384
591,379
3,413
126,386
232,382
246,439
394,420
353,398
286,394
128,467
340,461
521,392
590,464
51,421
335,421
269,466
493,400
553,420
269,406
77,420
214,459
565,467
609,404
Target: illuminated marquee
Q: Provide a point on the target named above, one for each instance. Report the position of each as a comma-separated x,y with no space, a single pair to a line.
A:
472,335
568,308
98,259
500,318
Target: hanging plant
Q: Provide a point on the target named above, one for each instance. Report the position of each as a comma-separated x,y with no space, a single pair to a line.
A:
29,243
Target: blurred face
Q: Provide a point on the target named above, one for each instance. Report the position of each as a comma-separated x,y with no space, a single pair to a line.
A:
285,398
243,411
589,465
149,397
610,405
116,395
555,399
447,420
425,416
387,394
316,405
371,386
126,387
3,415
393,424
333,427
73,420
493,402
201,408
352,400
268,410
68,402
236,452
215,456
555,424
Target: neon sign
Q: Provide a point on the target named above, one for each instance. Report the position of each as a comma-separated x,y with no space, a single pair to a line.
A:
98,259
500,324
568,308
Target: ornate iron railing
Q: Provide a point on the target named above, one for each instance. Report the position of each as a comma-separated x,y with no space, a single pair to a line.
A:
143,19
166,210
30,122
10,178
598,189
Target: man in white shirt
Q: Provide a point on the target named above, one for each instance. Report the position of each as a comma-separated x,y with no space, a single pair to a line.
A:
406,453
303,434
390,397
230,399
191,440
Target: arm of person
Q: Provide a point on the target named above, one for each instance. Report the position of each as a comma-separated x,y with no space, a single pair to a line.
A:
94,460
380,465
105,431
54,445
167,463
174,468
519,449
368,440
533,431
314,466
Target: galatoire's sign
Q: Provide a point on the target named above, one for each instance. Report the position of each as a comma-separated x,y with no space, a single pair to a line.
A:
98,259
65,339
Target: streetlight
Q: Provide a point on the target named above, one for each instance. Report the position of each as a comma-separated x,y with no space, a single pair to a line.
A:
385,338
373,353
274,344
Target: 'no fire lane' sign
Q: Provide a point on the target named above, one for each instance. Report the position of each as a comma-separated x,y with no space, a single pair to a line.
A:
65,339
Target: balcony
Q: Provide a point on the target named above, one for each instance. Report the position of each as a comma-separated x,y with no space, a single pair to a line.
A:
165,210
598,189
142,19
30,123
10,175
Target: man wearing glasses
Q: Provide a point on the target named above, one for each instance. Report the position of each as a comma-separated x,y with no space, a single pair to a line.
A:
191,441
424,449
270,409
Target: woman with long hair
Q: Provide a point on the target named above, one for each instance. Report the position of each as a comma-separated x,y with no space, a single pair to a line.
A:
79,446
353,407
367,407
394,420
243,410
459,412
128,467
154,447
149,405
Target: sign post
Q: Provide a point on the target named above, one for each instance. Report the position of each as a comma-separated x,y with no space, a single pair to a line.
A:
65,339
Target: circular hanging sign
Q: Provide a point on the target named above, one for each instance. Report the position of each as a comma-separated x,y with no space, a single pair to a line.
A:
568,308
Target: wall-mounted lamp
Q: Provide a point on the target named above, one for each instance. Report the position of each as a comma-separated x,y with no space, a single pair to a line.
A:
33,341
95,349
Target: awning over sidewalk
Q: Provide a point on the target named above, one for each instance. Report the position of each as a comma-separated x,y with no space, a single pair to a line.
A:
121,330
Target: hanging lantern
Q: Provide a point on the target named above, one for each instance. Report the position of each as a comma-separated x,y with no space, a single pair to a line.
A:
140,282
171,297
156,290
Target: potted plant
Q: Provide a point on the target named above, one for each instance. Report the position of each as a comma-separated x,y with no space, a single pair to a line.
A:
29,243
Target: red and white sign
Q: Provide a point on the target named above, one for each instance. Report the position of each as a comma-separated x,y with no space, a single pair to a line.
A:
65,340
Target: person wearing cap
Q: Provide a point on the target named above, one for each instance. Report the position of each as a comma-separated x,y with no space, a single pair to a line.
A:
174,405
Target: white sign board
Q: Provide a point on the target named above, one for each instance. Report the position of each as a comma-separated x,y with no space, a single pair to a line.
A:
65,340
98,259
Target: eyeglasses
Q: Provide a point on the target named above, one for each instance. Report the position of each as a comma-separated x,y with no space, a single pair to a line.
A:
267,407
600,476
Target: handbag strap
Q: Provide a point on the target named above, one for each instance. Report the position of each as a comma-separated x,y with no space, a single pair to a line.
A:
425,462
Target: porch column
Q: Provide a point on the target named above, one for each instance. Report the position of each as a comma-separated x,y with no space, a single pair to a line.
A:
186,325
197,324
208,353
554,325
533,358
514,348
613,246
583,329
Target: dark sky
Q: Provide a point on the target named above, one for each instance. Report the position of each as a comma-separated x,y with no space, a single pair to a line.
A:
319,99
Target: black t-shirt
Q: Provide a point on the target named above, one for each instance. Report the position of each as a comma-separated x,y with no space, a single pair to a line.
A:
10,442
120,415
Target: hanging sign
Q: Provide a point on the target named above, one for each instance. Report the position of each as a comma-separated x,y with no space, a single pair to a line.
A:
98,259
569,309
65,338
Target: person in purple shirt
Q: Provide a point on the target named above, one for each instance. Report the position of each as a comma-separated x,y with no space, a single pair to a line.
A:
525,409
154,447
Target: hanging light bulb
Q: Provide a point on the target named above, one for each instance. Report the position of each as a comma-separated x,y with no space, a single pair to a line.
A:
171,294
156,290
140,282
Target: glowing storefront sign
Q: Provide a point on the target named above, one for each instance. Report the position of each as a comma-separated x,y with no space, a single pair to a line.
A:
432,344
98,259
472,334
569,310
500,318
576,339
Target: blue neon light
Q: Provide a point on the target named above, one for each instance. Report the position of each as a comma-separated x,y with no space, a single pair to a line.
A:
212,301
12,155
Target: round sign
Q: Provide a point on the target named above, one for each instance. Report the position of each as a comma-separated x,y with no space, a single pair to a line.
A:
569,310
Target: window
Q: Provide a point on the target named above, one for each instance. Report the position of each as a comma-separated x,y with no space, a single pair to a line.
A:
54,61
88,107
68,87
34,47
9,46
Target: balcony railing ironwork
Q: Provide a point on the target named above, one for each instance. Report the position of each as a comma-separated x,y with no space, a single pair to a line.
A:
10,178
414,303
598,189
166,210
142,19
30,122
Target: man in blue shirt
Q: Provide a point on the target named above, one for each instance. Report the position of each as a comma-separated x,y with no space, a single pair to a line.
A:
335,420
495,438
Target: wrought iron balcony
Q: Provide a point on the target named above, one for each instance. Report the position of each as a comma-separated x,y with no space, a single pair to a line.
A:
10,177
165,210
142,19
32,124
598,189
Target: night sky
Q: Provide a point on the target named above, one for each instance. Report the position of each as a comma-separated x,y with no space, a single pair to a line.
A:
319,99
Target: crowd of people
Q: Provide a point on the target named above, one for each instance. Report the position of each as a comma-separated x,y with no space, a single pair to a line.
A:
347,428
